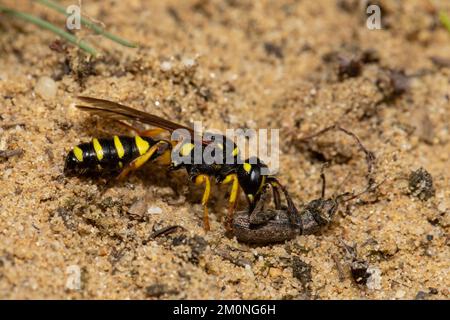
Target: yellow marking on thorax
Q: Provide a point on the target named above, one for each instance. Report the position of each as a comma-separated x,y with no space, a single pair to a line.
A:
98,149
142,145
235,151
186,149
119,147
247,167
78,153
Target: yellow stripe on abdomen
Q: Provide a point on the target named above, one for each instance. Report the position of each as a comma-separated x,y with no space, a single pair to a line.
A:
141,145
98,149
119,147
78,153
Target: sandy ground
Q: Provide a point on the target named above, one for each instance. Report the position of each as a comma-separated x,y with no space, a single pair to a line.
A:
297,66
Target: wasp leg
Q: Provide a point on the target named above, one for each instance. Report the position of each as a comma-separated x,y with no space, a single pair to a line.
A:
204,179
160,147
233,198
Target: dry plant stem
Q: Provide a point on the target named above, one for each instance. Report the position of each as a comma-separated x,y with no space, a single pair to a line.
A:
47,25
341,272
87,23
164,231
5,154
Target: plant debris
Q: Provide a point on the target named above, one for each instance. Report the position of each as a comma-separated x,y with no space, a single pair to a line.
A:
421,184
6,154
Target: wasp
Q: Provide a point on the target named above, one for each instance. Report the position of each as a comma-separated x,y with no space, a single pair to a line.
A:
123,154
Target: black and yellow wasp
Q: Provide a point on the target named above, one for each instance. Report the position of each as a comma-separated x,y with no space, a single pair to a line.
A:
123,154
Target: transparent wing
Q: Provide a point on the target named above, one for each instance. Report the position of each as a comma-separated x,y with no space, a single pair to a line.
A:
115,111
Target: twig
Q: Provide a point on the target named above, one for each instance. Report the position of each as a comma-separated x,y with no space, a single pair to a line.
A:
240,262
47,25
5,154
87,23
7,126
339,267
164,231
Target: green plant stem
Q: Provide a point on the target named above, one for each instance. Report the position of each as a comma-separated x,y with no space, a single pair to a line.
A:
57,7
47,25
445,20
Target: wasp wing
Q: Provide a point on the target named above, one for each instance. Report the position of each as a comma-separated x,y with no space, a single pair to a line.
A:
116,111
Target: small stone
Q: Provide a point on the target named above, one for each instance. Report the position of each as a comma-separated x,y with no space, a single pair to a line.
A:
374,280
273,50
138,208
154,210
249,271
198,244
7,173
349,68
359,271
301,270
157,290
166,66
188,62
433,290
399,294
103,251
421,295
46,88
275,272
442,207
421,184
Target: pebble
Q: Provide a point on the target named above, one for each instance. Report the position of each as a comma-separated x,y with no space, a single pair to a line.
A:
138,208
374,280
46,87
166,66
442,207
249,271
275,272
400,294
154,210
188,62
421,295
7,173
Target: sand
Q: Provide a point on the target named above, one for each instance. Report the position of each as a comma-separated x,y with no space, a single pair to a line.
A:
297,66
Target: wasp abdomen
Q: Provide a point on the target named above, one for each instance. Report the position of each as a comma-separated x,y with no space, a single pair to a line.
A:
105,155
